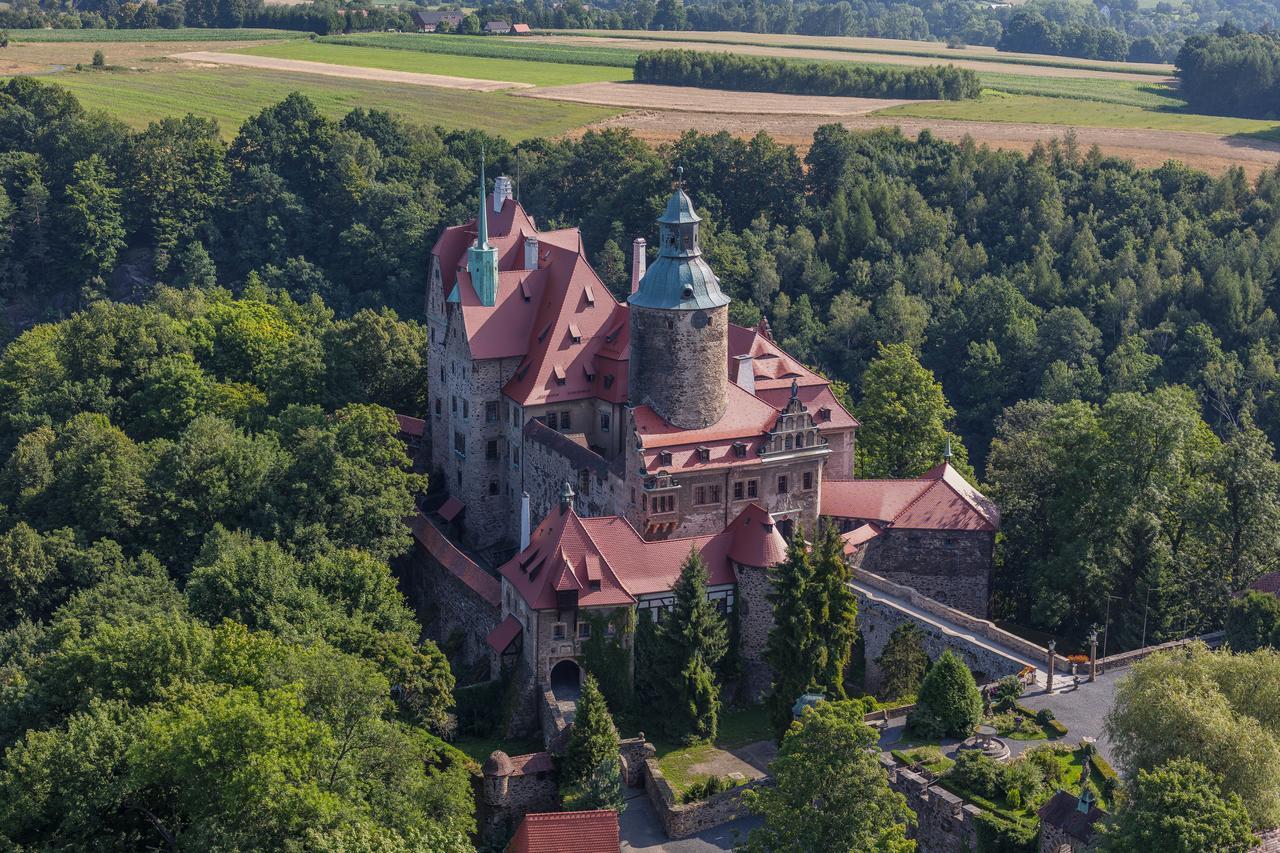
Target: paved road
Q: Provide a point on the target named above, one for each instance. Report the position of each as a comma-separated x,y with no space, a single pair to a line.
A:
641,830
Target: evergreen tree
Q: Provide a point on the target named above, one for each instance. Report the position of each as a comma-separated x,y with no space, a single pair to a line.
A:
691,640
949,704
611,265
602,789
593,740
93,219
195,267
835,612
789,648
903,662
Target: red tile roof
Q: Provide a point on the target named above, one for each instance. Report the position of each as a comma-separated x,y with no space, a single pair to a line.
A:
520,28
856,538
941,499
477,579
1270,582
567,832
412,426
610,564
534,762
450,508
503,635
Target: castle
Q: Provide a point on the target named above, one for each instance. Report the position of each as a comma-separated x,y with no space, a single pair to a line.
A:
587,445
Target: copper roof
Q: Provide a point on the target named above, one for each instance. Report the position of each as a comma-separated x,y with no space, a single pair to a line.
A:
941,499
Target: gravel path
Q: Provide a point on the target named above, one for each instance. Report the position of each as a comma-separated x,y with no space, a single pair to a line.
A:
329,69
718,101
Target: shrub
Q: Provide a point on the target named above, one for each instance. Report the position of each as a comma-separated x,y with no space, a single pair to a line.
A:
1044,716
707,788
1008,690
1024,778
949,704
99,59
978,773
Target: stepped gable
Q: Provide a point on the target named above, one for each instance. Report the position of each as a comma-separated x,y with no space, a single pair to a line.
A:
940,499
609,564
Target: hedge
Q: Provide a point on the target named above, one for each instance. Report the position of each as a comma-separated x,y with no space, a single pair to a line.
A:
788,76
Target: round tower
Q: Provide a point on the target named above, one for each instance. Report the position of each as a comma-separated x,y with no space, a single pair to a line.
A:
680,326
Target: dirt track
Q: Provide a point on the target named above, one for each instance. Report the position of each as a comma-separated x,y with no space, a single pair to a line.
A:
328,69
690,99
846,56
1148,148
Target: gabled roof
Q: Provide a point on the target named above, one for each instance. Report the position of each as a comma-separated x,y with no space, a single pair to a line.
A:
610,564
567,832
1062,810
941,499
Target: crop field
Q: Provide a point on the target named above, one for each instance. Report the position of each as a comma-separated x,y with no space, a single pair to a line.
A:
498,48
481,68
190,34
231,95
888,47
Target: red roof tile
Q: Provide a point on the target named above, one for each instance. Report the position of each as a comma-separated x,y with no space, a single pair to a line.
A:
450,508
856,538
939,500
567,832
482,583
755,538
534,762
502,636
411,426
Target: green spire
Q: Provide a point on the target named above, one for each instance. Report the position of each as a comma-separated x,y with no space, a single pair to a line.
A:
483,221
482,259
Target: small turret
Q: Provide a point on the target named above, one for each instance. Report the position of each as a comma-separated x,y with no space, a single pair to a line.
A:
482,259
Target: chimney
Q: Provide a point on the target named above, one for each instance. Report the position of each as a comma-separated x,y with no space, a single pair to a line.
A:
501,192
566,497
531,253
524,521
637,262
746,376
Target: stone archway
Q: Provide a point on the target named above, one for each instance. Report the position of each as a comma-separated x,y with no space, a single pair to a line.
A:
566,678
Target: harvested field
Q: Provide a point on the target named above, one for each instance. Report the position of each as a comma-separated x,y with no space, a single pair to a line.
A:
690,99
43,57
1147,148
352,72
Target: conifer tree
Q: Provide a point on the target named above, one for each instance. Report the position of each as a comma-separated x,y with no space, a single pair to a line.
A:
835,613
692,639
593,740
789,648
949,704
903,662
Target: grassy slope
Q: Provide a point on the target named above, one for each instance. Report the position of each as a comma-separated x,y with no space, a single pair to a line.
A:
231,95
481,68
1032,109
184,34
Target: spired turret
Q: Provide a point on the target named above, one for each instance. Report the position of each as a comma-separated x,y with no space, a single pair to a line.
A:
680,326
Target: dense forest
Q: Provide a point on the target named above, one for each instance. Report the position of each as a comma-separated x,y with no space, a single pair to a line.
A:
318,16
200,483
772,74
1231,72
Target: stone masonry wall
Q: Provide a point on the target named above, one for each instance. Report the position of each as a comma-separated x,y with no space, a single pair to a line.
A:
678,363
450,610
950,566
945,822
550,460
755,620
1054,840
680,820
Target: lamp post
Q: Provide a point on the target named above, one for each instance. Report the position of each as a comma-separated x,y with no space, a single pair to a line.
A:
1049,684
1093,654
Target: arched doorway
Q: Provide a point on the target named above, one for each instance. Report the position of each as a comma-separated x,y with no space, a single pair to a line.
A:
566,678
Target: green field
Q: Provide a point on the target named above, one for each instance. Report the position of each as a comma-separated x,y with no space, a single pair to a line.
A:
1031,109
501,48
231,95
184,34
477,67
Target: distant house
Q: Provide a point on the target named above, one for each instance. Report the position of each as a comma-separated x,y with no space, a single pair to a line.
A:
429,22
567,832
521,30
497,28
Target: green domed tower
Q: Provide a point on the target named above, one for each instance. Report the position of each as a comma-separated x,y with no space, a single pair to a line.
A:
680,326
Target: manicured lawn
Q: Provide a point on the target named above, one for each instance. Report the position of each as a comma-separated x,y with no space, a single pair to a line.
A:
476,67
478,749
1030,109
930,757
183,34
231,95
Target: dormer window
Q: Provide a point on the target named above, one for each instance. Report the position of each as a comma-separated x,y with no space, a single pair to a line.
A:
575,333
608,381
558,372
664,457
704,454
740,449
824,414
589,294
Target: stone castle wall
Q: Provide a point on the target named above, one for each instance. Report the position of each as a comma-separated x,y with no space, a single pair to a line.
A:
945,822
950,566
680,820
551,460
755,620
679,363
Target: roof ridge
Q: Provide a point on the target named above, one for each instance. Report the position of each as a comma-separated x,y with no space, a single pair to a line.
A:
617,578
915,500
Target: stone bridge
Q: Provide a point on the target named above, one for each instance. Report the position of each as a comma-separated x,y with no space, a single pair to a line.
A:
990,652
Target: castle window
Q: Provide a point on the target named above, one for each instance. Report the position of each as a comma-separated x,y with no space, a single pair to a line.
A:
460,444
564,422
715,494
575,333
740,449
608,382
442,373
752,488
558,631
787,445
584,630
515,457
806,480
782,484
700,495
824,414
466,408
664,457
491,449
604,421
438,407
671,324
493,487
453,404
704,454
609,628
552,420
558,371
491,412
737,491
584,481
459,473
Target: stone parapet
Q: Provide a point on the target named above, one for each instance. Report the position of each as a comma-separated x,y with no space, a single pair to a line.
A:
946,823
681,820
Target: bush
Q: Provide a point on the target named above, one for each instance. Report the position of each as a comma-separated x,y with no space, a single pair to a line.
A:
1044,716
949,704
977,772
707,788
1024,778
99,59
774,74
1008,690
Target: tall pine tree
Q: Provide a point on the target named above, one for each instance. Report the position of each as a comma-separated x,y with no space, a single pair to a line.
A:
590,769
789,648
691,640
835,612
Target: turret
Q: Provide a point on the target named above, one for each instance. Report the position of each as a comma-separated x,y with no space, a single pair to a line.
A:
680,326
482,259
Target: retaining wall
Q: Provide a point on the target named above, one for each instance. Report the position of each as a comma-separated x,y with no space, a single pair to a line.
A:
680,820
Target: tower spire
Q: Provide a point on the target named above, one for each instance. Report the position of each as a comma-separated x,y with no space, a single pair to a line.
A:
946,454
482,259
482,224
